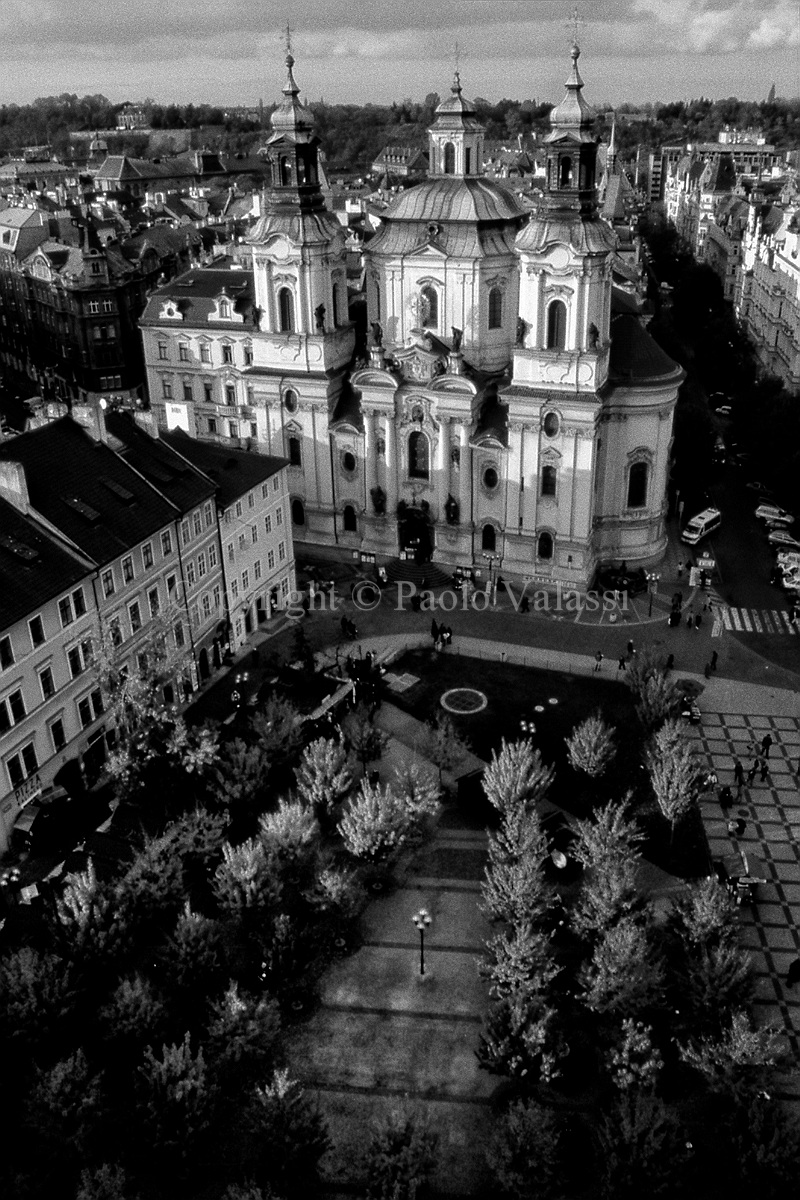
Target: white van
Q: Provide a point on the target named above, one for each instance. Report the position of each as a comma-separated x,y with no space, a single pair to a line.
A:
701,526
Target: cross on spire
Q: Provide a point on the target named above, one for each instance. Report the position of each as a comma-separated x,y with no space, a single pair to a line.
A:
574,23
287,38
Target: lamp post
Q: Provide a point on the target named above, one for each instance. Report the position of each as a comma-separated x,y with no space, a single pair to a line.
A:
422,920
491,559
652,587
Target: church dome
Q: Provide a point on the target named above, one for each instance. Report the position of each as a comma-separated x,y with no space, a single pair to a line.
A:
459,215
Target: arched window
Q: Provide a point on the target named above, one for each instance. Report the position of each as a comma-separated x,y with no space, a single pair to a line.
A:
449,159
290,400
418,456
488,538
495,308
286,310
548,481
298,512
295,452
224,310
285,172
349,518
557,325
544,546
468,161
430,308
637,485
565,173
335,298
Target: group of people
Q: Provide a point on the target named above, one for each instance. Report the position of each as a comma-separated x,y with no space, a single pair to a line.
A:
441,635
759,765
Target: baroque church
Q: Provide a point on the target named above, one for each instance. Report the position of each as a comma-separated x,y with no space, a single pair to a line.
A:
510,402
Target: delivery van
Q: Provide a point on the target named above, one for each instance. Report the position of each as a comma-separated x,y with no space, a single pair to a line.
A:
701,525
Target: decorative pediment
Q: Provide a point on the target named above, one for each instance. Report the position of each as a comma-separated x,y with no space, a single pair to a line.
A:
369,377
458,384
170,310
428,248
487,441
293,427
419,364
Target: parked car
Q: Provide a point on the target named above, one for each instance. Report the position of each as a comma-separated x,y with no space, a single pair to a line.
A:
779,537
611,579
775,523
755,485
724,410
788,558
773,512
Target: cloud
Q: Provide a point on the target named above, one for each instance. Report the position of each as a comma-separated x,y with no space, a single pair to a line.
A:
721,26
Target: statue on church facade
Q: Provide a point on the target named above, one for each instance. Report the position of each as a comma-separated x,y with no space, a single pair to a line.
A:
319,317
451,510
457,336
378,500
377,334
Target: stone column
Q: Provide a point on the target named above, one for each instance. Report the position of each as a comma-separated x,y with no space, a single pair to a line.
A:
443,466
370,460
391,467
464,476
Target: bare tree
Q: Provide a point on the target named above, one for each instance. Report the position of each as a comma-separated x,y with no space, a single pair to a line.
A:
445,747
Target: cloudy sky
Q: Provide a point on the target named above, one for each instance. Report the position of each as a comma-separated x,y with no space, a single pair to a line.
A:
229,51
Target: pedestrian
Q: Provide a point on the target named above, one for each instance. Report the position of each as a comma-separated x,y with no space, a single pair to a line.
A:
670,663
598,660
698,621
714,658
680,570
621,664
447,635
631,650
766,742
751,773
434,630
738,775
525,605
707,670
690,620
736,828
725,798
764,769
793,974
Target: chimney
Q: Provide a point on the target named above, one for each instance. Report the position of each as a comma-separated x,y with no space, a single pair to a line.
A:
14,485
92,418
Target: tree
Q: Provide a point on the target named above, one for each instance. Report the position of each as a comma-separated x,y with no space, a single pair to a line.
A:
418,789
244,882
519,959
642,1149
634,1061
191,959
607,847
241,777
133,1017
525,1152
290,836
515,887
324,777
107,1182
367,739
62,1108
87,926
400,1158
624,976
176,1100
590,747
243,1035
656,700
516,776
37,995
289,1136
521,1039
704,914
444,745
279,729
673,772
736,1062
376,824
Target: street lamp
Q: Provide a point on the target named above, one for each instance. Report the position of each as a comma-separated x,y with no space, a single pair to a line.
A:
491,559
422,920
652,587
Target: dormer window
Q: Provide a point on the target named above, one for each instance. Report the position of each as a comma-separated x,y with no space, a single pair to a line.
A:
224,307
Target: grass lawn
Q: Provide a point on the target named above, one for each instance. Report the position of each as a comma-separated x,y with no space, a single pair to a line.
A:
513,694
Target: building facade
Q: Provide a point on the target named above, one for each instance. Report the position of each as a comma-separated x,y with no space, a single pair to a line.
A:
512,403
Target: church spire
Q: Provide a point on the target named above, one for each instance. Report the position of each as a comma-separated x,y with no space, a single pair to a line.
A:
572,149
292,148
455,139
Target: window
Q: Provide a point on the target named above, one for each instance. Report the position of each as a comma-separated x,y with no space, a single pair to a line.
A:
551,424
490,478
565,173
147,555
224,310
180,637
268,522
284,588
257,570
495,308
206,606
349,518
282,546
234,588
245,581
197,522
227,353
557,325
78,603
212,556
7,651
208,514
201,565
186,535
290,400
270,560
488,538
248,356
544,545
127,569
637,485
239,628
22,765
231,552
166,389
37,631
162,350
230,400
65,612
108,306
109,587
183,352
57,735
418,456
90,707
254,534
79,658
115,631
298,512
171,584
153,602
212,425
449,159
251,500
276,484
135,614
430,308
242,541
12,710
348,462
285,310
94,306
279,516
205,353
46,683
548,481
187,393
238,510
190,574
295,452
166,543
